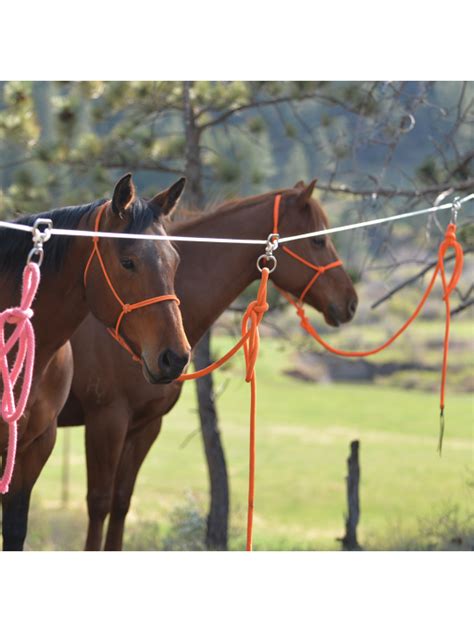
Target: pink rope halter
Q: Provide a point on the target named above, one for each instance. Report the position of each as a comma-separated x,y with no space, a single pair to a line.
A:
24,336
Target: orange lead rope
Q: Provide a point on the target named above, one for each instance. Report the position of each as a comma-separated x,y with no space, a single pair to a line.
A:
126,308
250,341
449,241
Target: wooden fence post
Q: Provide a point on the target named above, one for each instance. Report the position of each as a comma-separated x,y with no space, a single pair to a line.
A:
349,541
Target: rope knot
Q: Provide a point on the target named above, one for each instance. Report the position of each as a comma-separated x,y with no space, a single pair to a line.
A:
259,308
450,241
126,308
17,315
304,322
450,235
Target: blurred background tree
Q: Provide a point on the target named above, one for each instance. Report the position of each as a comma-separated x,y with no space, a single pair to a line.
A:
377,148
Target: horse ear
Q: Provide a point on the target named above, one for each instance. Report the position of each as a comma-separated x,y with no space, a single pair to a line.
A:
299,185
306,192
124,194
165,202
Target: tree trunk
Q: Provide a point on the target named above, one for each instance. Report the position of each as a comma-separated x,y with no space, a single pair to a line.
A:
217,519
218,516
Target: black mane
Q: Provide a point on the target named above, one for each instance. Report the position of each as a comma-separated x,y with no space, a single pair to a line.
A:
15,245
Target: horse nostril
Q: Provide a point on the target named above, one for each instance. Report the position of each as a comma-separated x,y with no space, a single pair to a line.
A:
172,364
164,361
352,307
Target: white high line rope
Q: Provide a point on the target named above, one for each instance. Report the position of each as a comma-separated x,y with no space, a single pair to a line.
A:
228,240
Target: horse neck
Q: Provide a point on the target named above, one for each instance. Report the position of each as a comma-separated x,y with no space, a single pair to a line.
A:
60,305
211,276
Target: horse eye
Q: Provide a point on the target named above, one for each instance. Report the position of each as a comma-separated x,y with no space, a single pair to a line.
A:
320,242
127,264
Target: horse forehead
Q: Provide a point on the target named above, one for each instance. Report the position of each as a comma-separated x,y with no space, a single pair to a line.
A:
161,247
154,248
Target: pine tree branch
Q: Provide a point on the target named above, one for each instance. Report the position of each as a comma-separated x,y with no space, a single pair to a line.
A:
128,165
254,104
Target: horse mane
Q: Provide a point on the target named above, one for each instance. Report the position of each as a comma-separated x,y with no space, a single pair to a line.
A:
192,217
230,205
15,245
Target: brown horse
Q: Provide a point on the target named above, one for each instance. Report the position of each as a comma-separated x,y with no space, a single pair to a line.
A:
137,269
122,414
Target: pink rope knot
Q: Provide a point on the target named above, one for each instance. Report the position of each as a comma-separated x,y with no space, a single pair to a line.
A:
23,336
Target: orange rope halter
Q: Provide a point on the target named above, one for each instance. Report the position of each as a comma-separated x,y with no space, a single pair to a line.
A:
449,241
126,307
319,269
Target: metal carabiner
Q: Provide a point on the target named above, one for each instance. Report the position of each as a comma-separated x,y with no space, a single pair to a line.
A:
272,243
268,257
39,238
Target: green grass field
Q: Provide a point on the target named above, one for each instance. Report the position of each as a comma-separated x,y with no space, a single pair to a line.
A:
303,436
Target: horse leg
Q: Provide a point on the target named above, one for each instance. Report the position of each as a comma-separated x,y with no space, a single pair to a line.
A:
106,430
137,445
16,502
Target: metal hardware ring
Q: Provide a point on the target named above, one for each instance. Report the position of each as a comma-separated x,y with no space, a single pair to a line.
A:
268,259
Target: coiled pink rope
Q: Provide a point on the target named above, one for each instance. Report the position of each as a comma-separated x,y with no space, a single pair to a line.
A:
23,334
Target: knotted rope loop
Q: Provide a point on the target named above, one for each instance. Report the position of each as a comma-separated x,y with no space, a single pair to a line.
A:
250,322
126,308
450,241
23,336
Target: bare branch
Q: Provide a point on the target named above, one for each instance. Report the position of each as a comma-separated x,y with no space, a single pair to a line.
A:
464,296
462,164
409,193
412,279
462,307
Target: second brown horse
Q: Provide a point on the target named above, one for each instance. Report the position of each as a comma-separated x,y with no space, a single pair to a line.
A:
123,414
